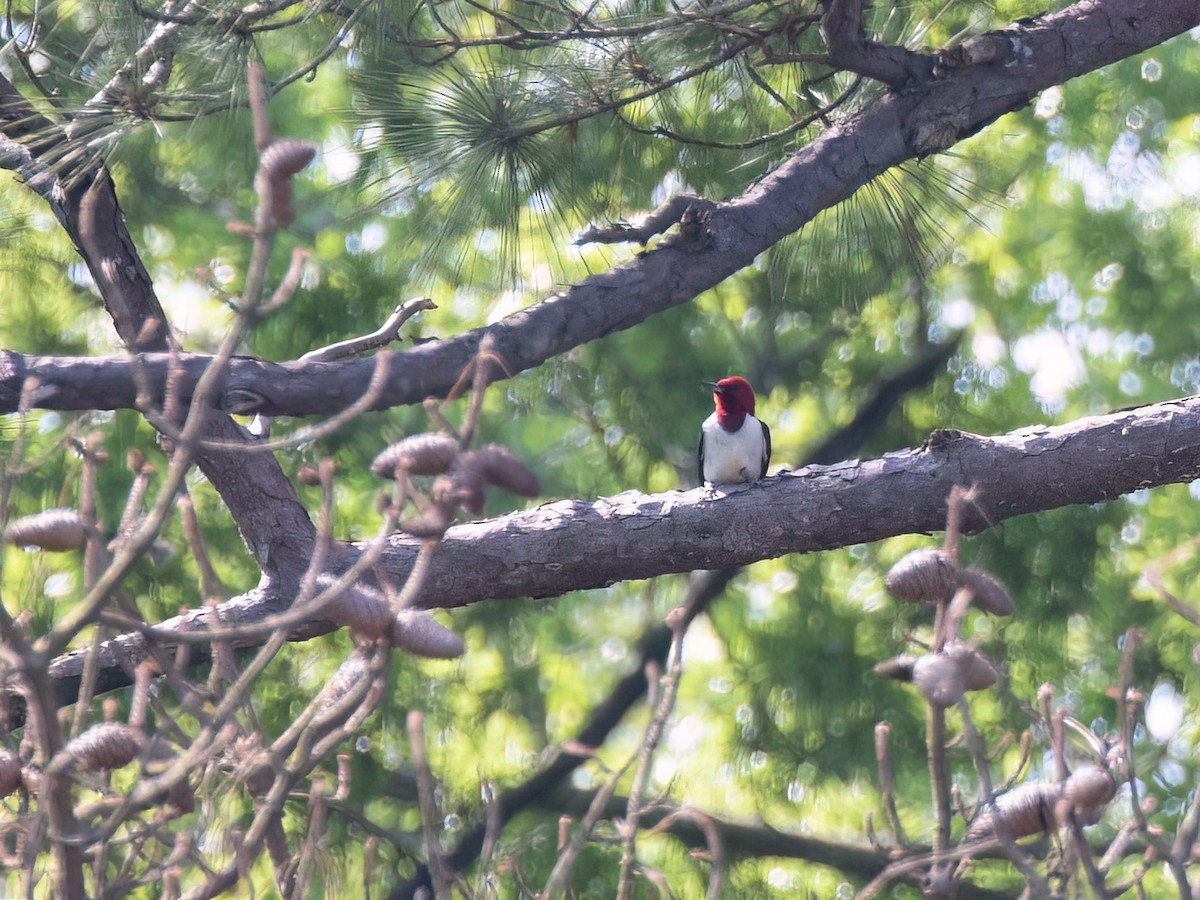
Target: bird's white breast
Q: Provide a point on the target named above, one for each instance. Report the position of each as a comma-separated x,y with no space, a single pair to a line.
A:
732,456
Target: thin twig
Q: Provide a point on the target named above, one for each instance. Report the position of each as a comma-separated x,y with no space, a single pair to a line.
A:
380,337
257,93
335,722
1084,853
133,504
556,884
1154,572
479,382
1034,880
669,688
712,839
210,583
93,559
1058,746
307,857
286,289
430,819
887,782
1118,845
939,778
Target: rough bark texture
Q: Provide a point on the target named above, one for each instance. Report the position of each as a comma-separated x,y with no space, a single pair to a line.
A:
272,521
82,198
974,85
577,544
849,49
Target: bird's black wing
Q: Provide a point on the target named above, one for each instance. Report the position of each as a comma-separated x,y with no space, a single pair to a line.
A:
766,448
700,458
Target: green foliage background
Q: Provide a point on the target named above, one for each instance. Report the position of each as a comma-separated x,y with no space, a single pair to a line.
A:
1061,241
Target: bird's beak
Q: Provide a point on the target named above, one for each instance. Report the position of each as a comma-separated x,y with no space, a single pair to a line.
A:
711,385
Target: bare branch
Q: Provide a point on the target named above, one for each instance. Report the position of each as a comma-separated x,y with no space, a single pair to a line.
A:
380,337
557,883
156,50
256,91
279,534
670,212
887,782
654,645
842,28
748,840
668,688
579,544
895,128
430,819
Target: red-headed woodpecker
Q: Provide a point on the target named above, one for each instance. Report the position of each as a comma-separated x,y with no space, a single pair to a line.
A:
734,446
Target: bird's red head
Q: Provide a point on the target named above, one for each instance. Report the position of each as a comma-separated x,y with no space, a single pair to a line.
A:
734,399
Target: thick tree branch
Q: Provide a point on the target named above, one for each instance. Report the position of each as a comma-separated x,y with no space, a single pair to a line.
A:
849,49
578,544
279,533
982,80
704,589
85,204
